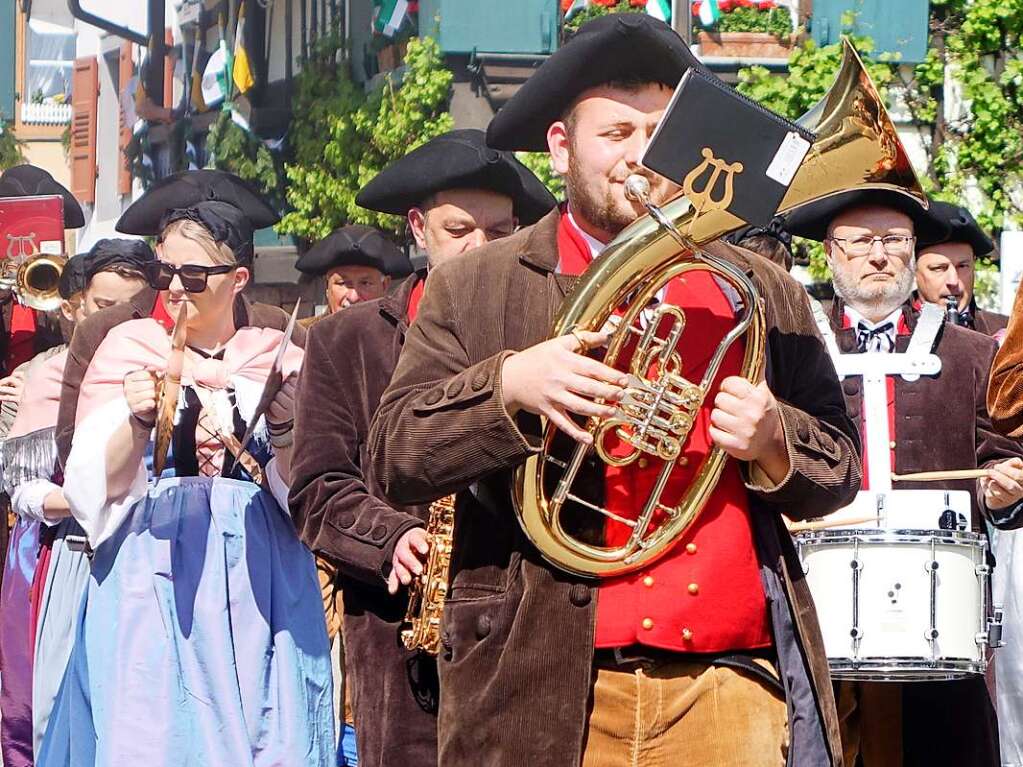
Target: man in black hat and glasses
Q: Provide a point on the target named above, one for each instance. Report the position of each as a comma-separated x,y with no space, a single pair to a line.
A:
456,194
936,422
675,661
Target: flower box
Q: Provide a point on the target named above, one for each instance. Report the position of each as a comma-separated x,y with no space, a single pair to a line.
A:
747,45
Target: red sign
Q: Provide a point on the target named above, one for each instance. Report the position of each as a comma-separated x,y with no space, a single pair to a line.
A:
30,225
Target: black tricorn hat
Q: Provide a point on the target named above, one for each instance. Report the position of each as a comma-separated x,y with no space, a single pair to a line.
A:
354,245
189,188
619,46
812,220
962,227
30,181
458,159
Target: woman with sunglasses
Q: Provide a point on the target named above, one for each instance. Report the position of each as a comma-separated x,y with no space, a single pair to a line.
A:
202,638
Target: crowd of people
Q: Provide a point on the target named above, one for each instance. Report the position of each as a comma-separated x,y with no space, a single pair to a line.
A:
206,496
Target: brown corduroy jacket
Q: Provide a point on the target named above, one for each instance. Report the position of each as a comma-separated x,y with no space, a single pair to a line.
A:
1005,389
89,334
338,509
517,634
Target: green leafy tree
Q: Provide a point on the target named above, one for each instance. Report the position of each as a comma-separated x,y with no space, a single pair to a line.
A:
10,146
540,164
343,137
234,149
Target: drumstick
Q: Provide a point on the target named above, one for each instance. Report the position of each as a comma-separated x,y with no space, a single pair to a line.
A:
940,476
824,524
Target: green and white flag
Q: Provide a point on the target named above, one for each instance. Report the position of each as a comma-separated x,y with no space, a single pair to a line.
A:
388,16
659,9
709,12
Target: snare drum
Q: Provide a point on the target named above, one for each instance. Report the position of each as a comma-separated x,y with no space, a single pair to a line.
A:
900,605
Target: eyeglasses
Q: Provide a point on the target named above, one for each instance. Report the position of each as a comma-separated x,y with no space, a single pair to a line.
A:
194,277
891,244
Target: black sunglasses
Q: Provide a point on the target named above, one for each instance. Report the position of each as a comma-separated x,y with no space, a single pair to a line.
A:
160,275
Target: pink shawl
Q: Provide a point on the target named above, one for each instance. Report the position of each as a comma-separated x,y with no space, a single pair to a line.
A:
41,397
144,343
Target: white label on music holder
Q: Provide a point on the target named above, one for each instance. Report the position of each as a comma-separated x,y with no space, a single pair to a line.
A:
788,158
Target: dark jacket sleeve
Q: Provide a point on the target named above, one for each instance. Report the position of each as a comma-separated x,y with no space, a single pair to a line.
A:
442,423
992,447
823,443
335,513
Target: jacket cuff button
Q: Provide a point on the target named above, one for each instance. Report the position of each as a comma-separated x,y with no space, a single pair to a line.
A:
363,527
483,627
479,381
455,388
434,397
379,532
347,519
579,595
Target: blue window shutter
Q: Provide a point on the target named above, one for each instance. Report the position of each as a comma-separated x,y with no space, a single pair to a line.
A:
895,27
491,26
8,17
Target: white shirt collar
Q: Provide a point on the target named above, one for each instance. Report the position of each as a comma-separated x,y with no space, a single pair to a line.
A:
855,318
595,245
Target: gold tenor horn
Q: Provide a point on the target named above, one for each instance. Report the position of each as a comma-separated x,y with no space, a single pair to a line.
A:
856,146
34,280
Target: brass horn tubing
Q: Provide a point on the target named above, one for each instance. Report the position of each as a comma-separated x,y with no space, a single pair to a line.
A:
752,364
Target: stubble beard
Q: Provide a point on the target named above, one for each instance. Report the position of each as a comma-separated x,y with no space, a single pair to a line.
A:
598,208
879,300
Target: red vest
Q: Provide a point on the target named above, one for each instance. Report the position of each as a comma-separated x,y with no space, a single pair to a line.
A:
705,595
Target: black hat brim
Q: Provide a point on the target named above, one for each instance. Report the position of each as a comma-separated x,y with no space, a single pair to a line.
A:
812,220
354,245
632,47
189,188
456,160
961,226
30,181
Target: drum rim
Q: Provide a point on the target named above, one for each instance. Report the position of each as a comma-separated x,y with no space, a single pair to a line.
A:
900,668
894,535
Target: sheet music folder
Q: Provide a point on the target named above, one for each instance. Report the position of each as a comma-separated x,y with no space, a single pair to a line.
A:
725,150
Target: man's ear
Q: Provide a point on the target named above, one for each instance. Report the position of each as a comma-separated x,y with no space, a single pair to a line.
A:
558,142
417,224
68,310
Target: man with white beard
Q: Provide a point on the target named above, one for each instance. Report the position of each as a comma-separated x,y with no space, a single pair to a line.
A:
937,422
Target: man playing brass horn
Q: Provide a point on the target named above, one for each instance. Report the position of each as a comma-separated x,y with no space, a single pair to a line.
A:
679,660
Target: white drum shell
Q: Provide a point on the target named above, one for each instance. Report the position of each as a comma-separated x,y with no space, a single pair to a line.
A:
894,615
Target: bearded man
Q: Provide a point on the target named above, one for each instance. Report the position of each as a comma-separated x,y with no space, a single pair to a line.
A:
937,422
539,666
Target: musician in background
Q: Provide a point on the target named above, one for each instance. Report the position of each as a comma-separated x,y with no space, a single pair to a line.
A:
771,241
946,267
356,263
26,331
869,239
456,195
678,659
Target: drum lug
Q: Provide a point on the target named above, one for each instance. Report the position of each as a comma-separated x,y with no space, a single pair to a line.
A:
931,567
993,636
856,564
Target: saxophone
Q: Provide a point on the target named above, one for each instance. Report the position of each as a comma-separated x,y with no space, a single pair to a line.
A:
421,627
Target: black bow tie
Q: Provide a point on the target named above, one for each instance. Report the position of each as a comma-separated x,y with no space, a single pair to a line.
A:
878,339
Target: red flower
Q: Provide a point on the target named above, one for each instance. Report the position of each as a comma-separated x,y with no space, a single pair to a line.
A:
725,5
565,5
744,3
637,3
696,7
766,5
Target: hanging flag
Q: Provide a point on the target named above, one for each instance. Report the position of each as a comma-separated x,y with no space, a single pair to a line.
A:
241,72
709,12
659,9
572,7
388,16
213,89
195,88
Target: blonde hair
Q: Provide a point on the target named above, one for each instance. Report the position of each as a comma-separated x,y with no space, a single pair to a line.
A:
219,253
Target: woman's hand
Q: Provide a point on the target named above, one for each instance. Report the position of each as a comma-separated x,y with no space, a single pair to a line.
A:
281,412
140,390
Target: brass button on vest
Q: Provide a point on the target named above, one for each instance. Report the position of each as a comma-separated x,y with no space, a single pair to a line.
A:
648,623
